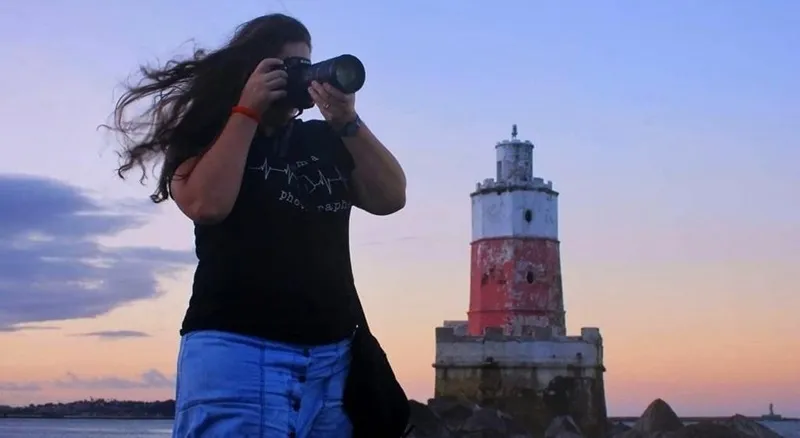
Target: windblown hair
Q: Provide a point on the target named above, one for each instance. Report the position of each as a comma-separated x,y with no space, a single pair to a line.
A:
191,99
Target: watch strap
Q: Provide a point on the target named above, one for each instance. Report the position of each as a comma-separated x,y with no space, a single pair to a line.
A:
350,128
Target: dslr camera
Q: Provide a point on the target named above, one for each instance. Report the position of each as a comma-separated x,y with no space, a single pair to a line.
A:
345,73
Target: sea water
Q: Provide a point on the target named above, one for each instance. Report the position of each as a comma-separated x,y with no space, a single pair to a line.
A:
79,428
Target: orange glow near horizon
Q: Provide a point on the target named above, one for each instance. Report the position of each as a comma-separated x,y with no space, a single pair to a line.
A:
690,366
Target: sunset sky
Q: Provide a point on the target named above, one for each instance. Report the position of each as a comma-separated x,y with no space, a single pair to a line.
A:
671,130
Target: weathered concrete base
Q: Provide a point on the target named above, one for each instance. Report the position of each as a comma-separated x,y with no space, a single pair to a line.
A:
534,378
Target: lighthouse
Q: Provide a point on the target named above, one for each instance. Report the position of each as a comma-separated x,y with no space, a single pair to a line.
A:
515,272
513,352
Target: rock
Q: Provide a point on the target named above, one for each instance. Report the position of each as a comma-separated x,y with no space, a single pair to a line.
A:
452,412
657,418
563,427
630,433
426,423
485,423
443,418
614,429
705,429
660,421
748,427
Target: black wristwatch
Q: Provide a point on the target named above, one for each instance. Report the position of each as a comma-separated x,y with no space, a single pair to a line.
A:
350,128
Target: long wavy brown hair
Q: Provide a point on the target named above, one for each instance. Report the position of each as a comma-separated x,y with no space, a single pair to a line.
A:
191,99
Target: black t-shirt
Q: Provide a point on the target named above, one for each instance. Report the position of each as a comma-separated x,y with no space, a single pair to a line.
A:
278,266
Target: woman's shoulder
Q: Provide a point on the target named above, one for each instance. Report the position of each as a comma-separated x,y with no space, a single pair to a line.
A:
318,128
322,138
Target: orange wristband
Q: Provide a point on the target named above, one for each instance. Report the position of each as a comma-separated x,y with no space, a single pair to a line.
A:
247,112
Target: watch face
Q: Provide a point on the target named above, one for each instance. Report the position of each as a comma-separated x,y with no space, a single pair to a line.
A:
351,128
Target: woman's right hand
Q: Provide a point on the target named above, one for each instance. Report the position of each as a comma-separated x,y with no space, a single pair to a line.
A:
266,85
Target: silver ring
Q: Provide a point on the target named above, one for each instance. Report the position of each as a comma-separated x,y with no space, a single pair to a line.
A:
326,106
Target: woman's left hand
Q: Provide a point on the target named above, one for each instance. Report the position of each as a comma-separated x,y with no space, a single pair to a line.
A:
337,108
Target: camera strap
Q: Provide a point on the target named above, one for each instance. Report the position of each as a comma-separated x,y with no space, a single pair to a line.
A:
282,141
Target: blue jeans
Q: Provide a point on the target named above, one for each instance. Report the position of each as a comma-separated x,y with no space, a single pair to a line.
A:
231,385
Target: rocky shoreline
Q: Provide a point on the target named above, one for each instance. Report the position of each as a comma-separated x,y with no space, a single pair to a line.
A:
451,419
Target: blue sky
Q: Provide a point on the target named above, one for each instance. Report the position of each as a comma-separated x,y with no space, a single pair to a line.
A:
670,129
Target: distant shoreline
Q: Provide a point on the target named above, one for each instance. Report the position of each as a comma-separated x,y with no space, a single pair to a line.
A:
113,417
699,419
82,417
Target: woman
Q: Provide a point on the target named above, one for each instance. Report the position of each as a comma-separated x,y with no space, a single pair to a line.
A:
264,348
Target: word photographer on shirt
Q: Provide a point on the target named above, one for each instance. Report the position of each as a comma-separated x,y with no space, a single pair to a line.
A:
265,341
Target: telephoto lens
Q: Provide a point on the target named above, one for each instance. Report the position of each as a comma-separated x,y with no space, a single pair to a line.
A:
346,73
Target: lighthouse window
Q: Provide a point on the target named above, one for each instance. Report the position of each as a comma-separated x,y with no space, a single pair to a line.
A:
529,277
528,215
499,169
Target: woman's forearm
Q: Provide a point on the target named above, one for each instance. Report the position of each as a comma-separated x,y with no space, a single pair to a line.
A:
378,179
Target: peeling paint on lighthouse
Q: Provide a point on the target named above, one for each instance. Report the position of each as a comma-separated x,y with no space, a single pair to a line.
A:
515,272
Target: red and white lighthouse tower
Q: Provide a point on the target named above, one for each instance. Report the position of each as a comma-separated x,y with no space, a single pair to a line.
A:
515,279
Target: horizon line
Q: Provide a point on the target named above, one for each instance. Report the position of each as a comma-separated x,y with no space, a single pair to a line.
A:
613,418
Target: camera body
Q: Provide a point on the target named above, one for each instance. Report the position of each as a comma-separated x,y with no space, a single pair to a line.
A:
346,73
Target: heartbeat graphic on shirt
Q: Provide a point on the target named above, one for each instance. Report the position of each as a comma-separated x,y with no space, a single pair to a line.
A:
311,183
324,181
286,170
